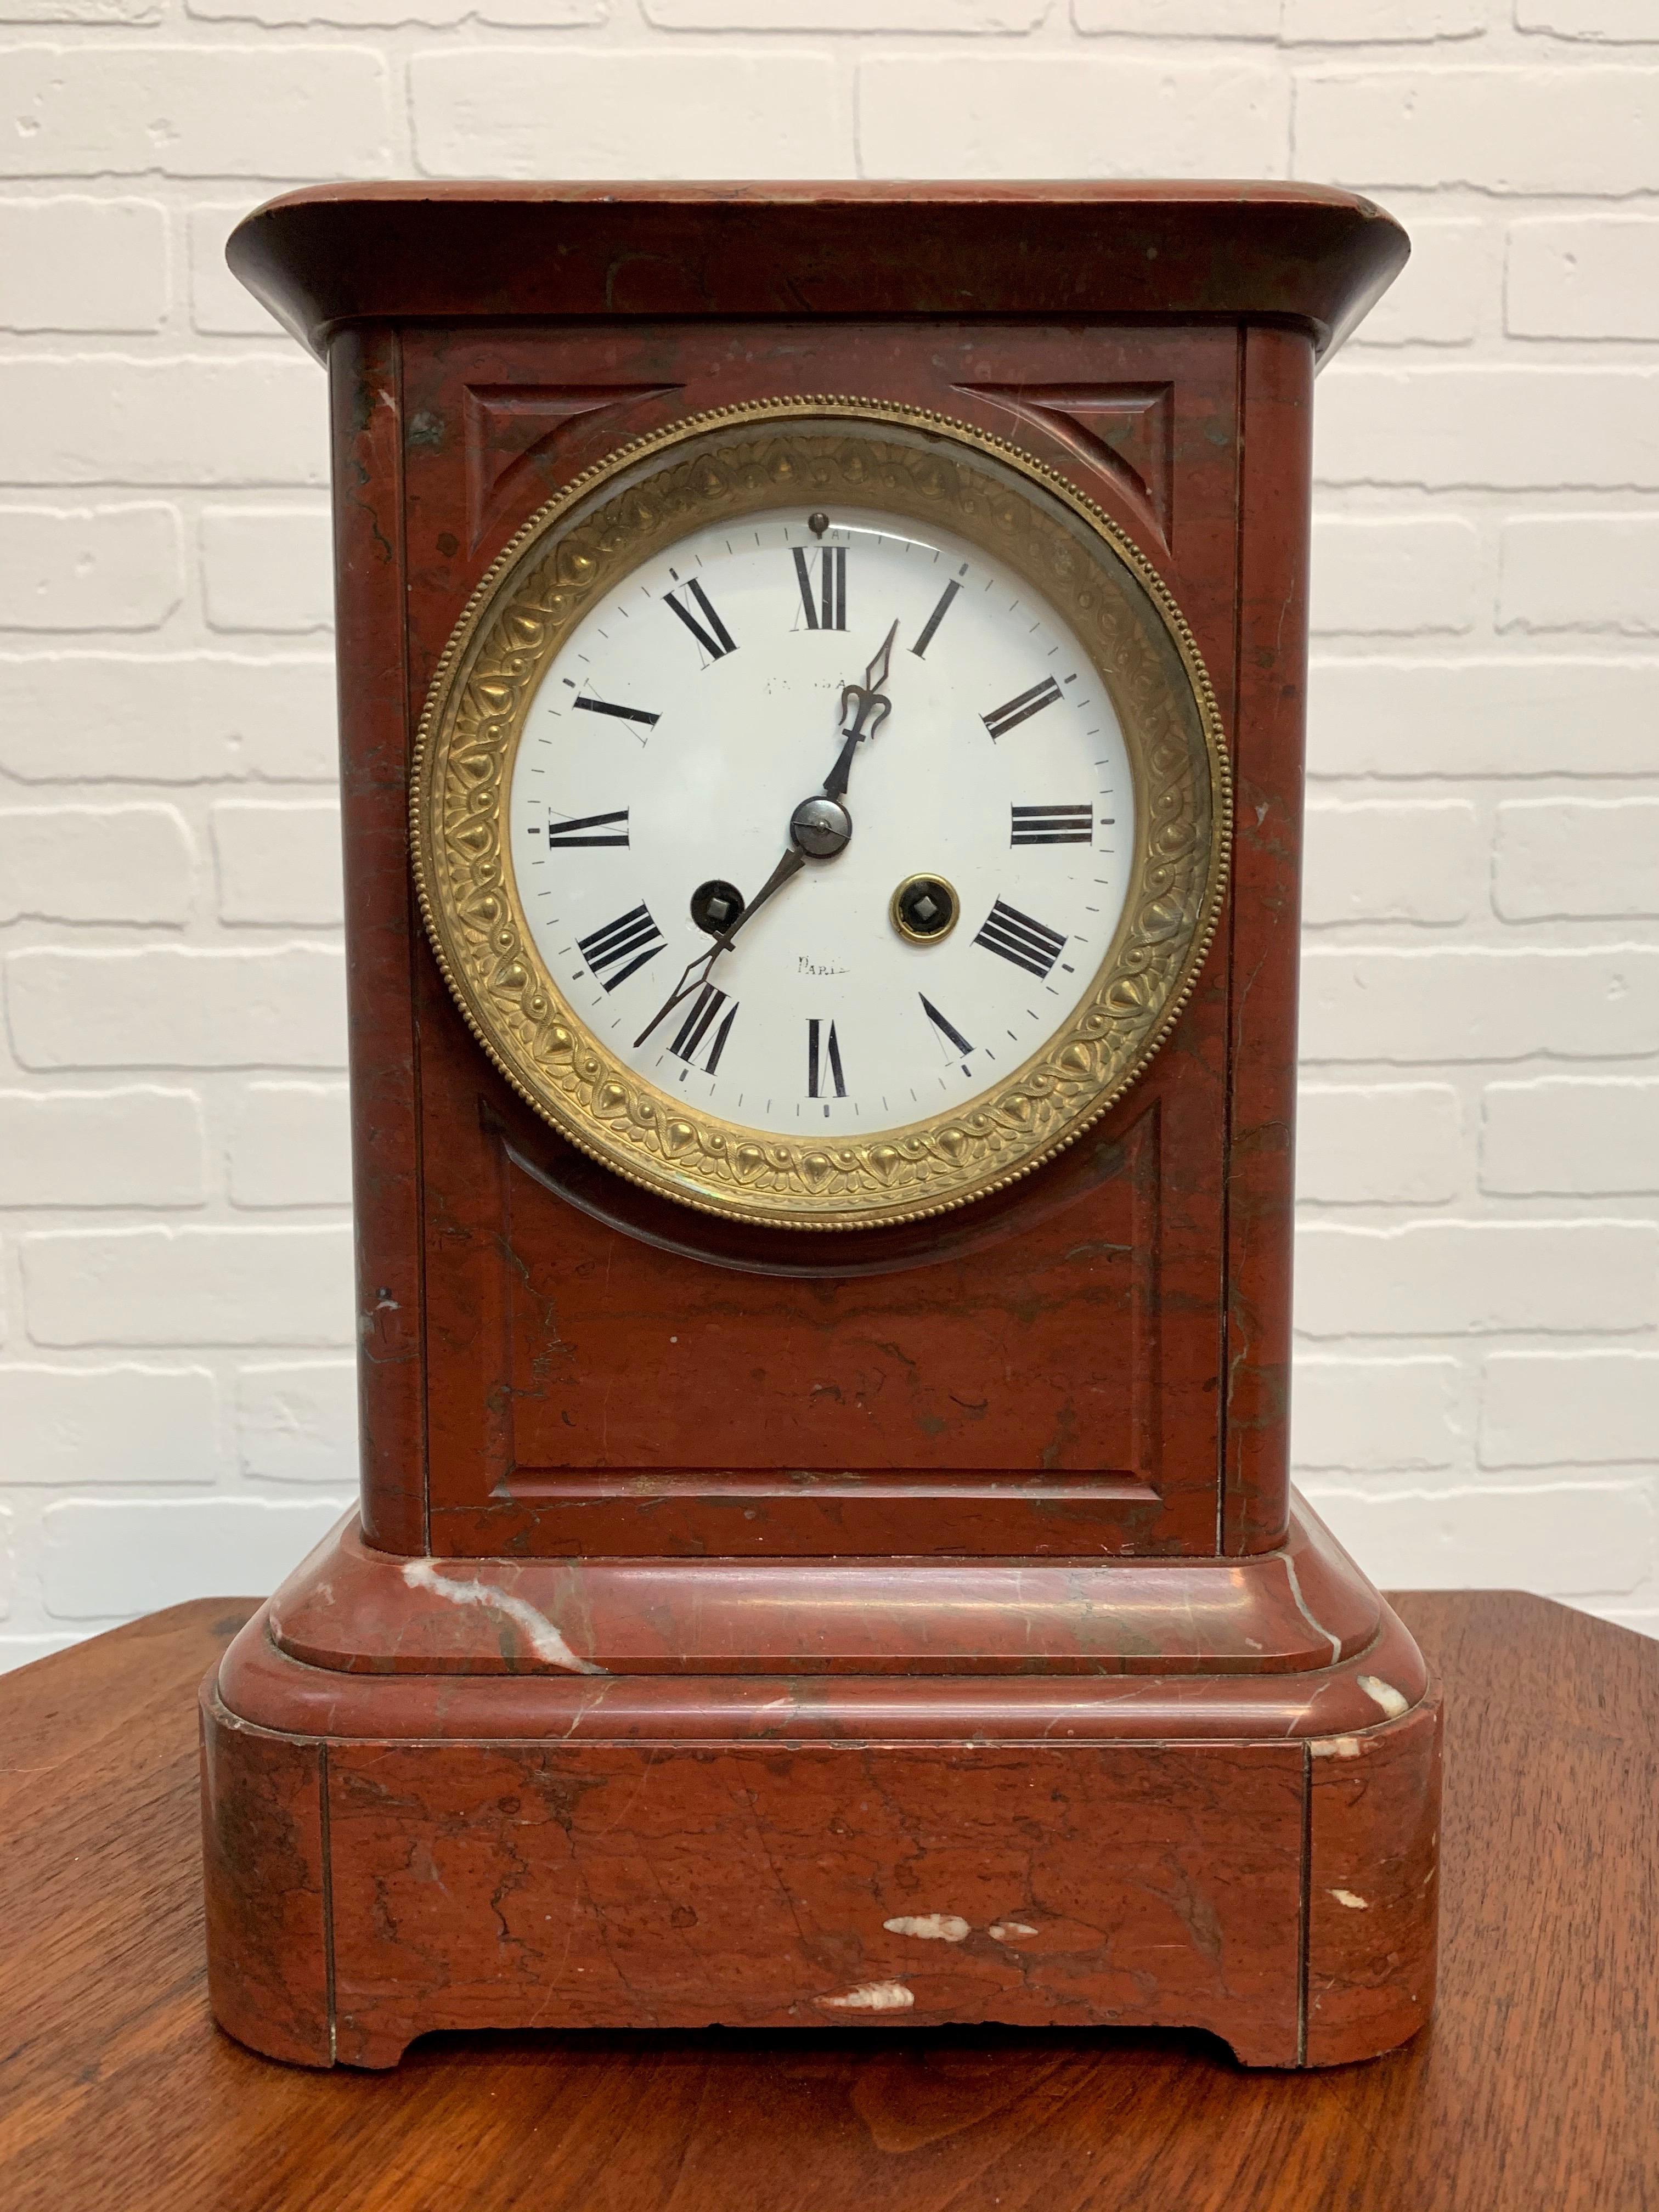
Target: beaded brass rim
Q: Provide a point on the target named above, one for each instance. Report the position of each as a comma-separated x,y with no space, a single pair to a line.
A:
748,459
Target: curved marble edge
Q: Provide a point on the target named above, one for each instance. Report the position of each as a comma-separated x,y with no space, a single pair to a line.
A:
1335,1706
349,1609
421,251
372,1651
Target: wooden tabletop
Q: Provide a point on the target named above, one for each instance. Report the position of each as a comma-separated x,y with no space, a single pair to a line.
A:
1537,2086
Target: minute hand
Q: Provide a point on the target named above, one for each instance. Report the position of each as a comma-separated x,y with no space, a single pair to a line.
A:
697,971
868,704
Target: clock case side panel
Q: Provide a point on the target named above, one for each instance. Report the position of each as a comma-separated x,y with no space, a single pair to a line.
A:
1263,930
383,932
525,1243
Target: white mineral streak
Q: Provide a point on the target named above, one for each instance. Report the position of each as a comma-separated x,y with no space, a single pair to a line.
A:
1336,1747
1354,1903
539,1631
1384,1694
931,1927
1317,1627
873,1996
1009,1931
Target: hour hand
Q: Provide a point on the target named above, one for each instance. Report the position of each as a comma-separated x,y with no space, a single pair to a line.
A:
696,971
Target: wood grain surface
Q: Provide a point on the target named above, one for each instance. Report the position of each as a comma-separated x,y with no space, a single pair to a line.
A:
1537,2085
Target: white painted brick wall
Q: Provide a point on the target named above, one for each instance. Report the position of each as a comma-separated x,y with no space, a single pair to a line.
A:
1480,1163
290,1145
1558,858
76,263
1393,861
132,864
1382,1416
177,1006
296,1421
1590,1137
136,1425
268,567
1395,575
1476,1278
1479,1003
1379,1144
1541,1408
1566,127
184,717
1584,277
1591,572
279,861
138,1146
195,1285
111,568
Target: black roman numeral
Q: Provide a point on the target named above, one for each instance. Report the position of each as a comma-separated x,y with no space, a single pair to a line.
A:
716,640
694,1030
946,1027
827,607
824,1061
622,945
934,619
587,829
1002,719
1030,944
623,713
1052,825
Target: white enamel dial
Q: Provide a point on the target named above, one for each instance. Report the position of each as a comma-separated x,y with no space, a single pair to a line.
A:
693,708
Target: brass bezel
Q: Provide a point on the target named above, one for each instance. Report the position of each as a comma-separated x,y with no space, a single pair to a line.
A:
752,458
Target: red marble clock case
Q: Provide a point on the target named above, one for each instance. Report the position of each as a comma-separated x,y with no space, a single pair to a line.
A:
779,1630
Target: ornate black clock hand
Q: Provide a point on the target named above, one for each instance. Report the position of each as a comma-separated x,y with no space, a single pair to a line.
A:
867,699
696,973
820,825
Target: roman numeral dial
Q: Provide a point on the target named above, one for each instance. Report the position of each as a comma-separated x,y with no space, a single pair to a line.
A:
621,948
823,596
1029,944
823,1068
1052,825
727,900
620,713
587,829
946,1027
705,1029
942,608
1002,719
714,639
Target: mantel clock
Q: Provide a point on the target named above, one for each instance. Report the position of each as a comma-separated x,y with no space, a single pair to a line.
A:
821,681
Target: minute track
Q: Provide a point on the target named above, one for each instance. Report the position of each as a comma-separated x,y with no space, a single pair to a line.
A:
823,1001
786,599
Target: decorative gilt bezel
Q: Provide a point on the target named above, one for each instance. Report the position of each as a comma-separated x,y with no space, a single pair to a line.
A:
821,451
